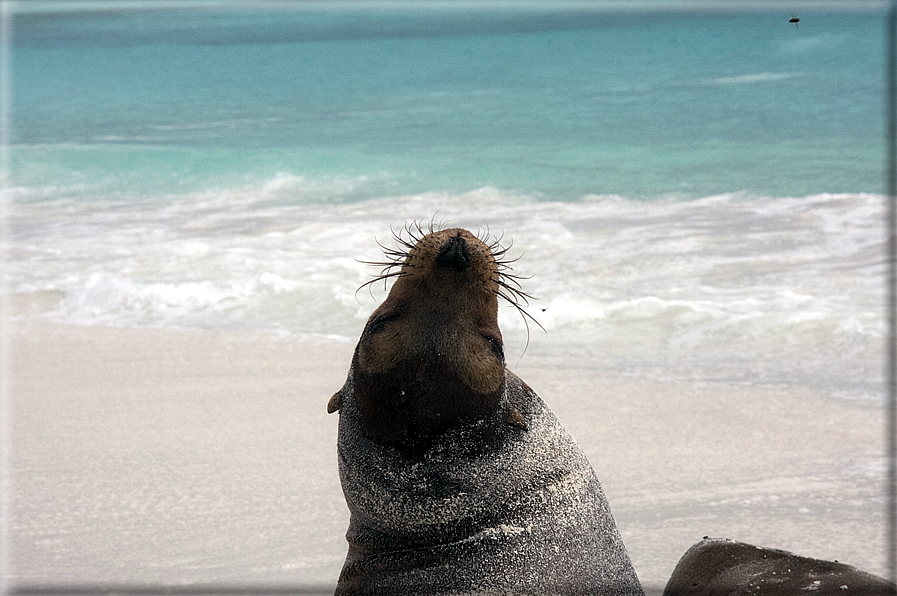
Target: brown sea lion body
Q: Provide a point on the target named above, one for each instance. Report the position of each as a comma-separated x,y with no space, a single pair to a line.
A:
458,477
719,567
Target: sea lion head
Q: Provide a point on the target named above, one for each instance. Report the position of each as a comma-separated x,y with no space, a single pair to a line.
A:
431,355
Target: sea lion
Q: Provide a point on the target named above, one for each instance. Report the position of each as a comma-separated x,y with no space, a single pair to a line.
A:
719,567
458,478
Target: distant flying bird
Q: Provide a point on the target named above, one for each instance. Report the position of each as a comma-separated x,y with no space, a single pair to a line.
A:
794,20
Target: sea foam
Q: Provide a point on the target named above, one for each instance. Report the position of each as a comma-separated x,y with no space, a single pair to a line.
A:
721,278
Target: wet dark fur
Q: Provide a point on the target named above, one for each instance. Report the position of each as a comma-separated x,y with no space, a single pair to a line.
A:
413,403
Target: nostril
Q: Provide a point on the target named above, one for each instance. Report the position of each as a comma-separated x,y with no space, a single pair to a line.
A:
454,254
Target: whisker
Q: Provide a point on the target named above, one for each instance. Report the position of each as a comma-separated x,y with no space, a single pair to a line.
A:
516,290
397,264
384,277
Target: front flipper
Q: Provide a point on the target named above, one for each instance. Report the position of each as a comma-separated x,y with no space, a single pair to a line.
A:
336,402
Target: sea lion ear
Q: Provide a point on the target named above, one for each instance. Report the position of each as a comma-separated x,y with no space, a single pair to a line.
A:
514,418
335,403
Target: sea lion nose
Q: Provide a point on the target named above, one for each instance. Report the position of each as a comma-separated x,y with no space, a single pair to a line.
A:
454,254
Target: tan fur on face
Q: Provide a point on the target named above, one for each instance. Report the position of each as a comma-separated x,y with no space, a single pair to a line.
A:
443,312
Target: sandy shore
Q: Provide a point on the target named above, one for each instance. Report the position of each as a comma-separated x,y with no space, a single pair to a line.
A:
179,457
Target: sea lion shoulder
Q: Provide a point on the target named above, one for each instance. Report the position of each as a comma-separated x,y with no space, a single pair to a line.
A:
722,566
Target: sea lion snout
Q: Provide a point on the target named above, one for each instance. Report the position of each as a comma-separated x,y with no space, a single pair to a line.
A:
454,254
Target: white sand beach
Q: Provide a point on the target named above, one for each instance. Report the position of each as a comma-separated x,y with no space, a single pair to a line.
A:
192,457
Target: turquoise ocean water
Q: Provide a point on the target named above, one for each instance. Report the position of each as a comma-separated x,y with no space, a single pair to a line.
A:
694,189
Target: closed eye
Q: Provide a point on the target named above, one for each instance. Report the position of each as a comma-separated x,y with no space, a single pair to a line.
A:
496,347
378,324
